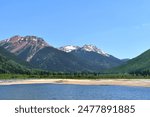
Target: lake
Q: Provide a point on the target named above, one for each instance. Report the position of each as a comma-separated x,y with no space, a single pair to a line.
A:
72,92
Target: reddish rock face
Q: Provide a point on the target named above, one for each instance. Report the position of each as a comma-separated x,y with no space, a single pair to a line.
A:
19,44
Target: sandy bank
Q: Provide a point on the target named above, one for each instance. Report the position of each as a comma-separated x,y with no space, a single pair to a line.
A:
123,82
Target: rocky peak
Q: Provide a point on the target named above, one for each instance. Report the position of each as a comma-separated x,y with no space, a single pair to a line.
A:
17,44
89,48
26,39
92,48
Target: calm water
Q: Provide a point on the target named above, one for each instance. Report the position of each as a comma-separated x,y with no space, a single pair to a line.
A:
70,92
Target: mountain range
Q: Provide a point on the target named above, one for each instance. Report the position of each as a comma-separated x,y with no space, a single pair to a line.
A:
40,55
20,54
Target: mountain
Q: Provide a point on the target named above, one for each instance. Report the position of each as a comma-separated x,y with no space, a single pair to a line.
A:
139,63
94,57
41,55
52,59
24,47
125,60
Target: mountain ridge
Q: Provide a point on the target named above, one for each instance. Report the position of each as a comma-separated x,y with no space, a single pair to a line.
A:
137,64
86,47
41,55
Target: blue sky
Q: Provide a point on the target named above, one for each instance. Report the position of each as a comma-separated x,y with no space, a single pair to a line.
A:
119,27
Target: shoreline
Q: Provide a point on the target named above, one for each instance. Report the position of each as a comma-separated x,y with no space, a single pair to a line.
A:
119,82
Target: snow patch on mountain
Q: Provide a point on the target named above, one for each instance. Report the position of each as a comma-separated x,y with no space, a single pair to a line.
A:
92,48
89,48
69,48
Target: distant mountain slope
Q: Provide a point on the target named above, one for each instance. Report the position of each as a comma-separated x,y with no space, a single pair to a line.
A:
125,60
96,58
50,58
7,65
142,62
98,61
76,59
13,57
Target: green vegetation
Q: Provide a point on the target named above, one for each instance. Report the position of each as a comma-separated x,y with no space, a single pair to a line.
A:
10,56
9,66
54,75
138,65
